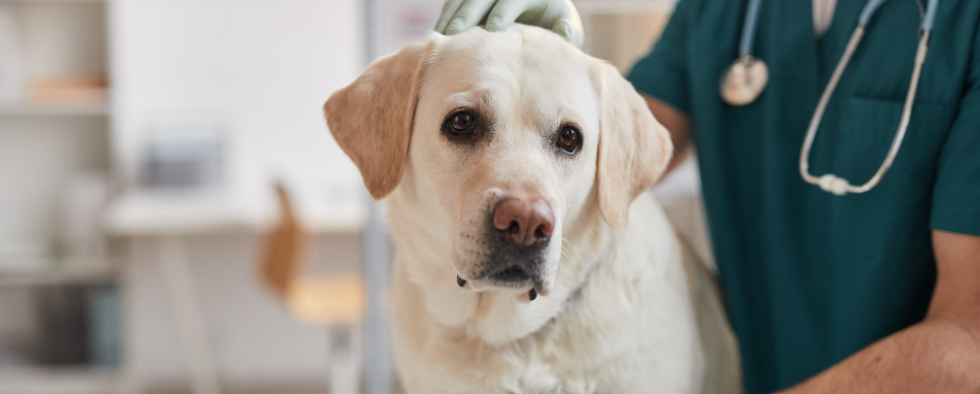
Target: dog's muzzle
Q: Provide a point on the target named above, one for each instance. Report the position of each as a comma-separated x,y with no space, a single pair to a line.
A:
520,230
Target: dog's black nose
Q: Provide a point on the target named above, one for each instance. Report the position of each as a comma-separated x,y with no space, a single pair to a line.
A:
524,222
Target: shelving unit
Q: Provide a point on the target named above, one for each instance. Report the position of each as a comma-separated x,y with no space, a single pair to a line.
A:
46,141
43,142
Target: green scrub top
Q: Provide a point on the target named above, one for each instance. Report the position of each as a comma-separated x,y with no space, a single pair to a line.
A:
811,278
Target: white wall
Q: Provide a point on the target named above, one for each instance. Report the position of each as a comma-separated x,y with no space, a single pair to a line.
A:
261,68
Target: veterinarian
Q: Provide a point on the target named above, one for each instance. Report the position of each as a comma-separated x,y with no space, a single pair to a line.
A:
839,283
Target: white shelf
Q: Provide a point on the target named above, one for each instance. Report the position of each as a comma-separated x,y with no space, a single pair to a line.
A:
55,276
40,380
100,108
53,1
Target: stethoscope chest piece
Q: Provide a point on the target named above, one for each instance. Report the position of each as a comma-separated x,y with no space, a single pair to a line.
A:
744,80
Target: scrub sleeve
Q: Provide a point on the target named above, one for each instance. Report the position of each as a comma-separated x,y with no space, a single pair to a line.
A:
956,195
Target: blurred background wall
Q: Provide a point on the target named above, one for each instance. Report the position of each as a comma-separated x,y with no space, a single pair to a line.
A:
139,144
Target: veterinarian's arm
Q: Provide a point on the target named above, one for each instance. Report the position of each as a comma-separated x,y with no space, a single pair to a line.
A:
939,355
679,127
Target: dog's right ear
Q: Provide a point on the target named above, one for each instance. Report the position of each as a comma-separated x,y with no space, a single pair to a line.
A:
371,119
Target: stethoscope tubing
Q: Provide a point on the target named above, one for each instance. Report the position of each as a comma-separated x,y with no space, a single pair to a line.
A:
830,182
833,183
748,28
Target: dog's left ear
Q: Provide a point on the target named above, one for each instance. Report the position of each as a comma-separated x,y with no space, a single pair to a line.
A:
634,148
371,119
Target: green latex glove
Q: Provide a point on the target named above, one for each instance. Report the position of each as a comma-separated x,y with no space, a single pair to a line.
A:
558,15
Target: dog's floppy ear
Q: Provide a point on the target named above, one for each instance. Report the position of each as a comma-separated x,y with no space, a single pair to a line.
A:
634,148
371,119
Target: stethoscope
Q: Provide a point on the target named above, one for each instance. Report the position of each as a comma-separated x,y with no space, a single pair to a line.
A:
746,78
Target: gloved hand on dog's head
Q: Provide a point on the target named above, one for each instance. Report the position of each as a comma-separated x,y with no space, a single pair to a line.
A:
559,16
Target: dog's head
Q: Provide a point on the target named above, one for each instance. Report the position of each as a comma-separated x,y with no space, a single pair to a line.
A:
502,142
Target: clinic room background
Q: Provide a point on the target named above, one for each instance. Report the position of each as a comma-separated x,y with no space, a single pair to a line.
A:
141,142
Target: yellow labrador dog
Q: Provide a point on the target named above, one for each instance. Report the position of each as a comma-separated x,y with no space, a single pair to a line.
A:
525,260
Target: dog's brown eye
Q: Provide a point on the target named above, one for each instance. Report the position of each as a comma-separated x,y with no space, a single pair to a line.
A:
461,122
569,139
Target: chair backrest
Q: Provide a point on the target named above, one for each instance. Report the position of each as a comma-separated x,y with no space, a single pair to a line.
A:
325,300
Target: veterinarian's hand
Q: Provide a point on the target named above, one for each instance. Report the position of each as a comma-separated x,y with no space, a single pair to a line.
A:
558,15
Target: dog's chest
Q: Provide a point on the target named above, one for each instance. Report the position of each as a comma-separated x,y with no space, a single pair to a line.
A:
549,361
582,351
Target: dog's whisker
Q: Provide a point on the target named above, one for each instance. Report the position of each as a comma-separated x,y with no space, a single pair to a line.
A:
567,248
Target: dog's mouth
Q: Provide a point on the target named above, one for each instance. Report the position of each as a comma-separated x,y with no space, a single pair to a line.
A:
513,277
513,274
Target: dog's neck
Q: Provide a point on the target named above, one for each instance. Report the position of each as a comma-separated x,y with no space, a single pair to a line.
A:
494,316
